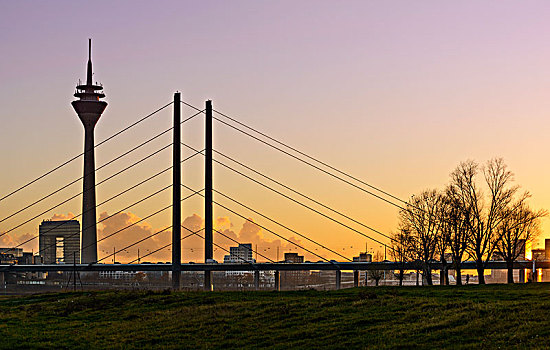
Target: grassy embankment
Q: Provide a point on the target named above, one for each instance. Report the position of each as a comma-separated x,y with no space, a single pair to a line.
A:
386,317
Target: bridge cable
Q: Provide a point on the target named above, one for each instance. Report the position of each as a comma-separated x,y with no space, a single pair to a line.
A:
145,238
306,206
195,233
112,215
303,154
296,192
113,197
278,223
78,156
276,234
78,194
164,247
140,220
99,168
131,245
311,165
239,243
227,251
100,221
312,158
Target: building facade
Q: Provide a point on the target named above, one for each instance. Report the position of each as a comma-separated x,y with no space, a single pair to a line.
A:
239,255
291,279
59,241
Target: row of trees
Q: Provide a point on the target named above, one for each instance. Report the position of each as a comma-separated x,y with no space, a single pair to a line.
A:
481,213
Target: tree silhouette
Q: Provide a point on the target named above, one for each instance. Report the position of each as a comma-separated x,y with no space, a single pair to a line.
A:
520,226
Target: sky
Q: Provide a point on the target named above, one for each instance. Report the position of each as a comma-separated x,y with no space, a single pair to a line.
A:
396,93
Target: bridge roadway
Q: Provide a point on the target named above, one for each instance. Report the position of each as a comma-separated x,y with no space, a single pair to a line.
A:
335,266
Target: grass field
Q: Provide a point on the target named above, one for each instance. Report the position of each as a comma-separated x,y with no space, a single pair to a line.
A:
494,316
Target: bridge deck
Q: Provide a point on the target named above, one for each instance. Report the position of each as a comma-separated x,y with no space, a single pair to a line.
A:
341,266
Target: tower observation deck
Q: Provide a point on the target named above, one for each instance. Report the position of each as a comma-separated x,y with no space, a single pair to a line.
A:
89,109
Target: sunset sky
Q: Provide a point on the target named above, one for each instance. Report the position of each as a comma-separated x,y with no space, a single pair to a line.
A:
396,93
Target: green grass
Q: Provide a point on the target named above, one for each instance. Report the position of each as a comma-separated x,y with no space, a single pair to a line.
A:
494,316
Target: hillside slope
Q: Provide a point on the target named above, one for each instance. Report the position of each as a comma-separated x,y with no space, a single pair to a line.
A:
384,317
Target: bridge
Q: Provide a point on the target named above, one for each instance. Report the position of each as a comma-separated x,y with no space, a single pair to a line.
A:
207,233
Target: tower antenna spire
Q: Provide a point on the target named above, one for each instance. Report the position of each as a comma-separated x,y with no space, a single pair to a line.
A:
89,75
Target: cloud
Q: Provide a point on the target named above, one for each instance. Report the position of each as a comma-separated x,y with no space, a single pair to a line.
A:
115,233
57,217
10,240
250,231
193,222
223,223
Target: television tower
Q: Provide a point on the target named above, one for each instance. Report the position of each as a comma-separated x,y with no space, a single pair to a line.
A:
89,109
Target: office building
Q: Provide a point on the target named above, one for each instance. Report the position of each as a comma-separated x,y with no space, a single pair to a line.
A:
59,241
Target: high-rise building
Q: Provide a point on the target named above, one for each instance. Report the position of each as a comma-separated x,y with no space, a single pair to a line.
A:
89,109
59,241
240,254
363,257
294,258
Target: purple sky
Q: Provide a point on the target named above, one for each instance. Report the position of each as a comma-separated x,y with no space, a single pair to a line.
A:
395,92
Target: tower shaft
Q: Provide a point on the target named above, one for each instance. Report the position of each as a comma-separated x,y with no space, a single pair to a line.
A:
89,228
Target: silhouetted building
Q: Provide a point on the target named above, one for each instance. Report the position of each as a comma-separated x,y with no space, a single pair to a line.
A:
538,254
239,255
89,109
293,258
293,278
363,257
26,258
16,252
59,241
18,256
8,259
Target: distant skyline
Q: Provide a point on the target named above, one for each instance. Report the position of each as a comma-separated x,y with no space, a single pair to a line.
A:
395,93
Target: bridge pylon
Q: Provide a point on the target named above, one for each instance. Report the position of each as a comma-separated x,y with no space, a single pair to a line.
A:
208,213
176,194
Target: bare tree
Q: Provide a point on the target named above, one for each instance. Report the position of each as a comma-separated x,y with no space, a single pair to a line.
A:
443,238
420,221
456,224
376,275
520,226
400,251
485,210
